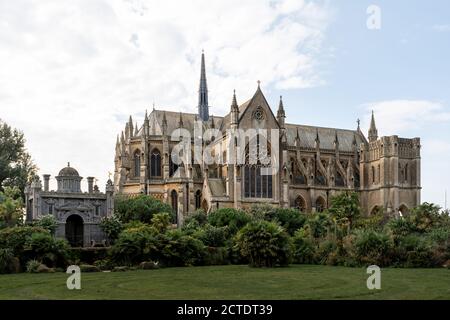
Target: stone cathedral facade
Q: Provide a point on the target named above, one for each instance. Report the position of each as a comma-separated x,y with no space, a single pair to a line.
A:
314,163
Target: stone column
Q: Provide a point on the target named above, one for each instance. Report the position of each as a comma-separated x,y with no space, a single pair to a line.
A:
46,182
90,181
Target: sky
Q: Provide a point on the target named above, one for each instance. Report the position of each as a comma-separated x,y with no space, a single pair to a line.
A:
73,71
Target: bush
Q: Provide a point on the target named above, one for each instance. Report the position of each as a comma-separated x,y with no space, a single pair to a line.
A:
290,219
400,227
48,223
178,249
372,247
15,238
426,216
326,252
264,243
198,216
215,256
414,251
43,247
133,246
112,227
33,266
141,208
234,219
104,264
6,260
345,205
318,224
212,236
304,248
161,221
89,268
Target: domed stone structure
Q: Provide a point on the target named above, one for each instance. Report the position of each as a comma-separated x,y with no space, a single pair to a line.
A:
78,213
69,180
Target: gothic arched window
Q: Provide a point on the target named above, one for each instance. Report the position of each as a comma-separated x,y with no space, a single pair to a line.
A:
155,163
339,180
297,176
373,175
137,163
198,199
257,184
406,172
300,204
320,204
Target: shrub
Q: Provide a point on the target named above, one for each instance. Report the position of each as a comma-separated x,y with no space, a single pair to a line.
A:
264,243
400,227
304,248
133,246
325,251
178,249
43,247
212,236
234,219
104,264
373,247
161,221
290,219
141,208
33,266
198,216
48,223
318,224
6,260
425,216
112,227
345,206
414,251
89,268
215,256
15,238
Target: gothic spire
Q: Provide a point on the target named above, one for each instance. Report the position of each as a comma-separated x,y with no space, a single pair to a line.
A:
203,111
180,122
234,110
281,112
373,132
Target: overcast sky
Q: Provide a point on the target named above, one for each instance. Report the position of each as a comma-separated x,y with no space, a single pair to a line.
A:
73,71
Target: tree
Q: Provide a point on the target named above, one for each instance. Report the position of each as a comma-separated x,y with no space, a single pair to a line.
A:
141,208
16,166
345,206
11,206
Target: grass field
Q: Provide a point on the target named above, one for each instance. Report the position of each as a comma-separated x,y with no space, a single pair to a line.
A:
233,282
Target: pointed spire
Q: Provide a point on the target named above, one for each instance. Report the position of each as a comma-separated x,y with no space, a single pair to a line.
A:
336,139
117,142
212,122
234,101
281,112
317,140
234,110
164,123
136,130
203,107
146,115
297,139
373,132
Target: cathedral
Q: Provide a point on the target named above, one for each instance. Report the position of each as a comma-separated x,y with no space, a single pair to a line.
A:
311,163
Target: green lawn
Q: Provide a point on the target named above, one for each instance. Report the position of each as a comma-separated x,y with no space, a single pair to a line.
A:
233,282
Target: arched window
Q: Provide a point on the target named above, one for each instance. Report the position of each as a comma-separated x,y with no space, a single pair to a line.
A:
379,174
406,172
403,210
297,176
339,180
300,204
174,200
137,163
155,163
256,184
198,200
320,204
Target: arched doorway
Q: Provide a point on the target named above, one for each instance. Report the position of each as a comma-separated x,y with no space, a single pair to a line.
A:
74,230
375,210
320,204
300,204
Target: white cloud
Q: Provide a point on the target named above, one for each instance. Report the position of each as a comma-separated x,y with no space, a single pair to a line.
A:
72,71
401,116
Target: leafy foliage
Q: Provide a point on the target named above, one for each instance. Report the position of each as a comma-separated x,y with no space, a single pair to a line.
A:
10,207
265,244
141,208
6,259
16,166
304,248
234,219
345,205
48,223
112,227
